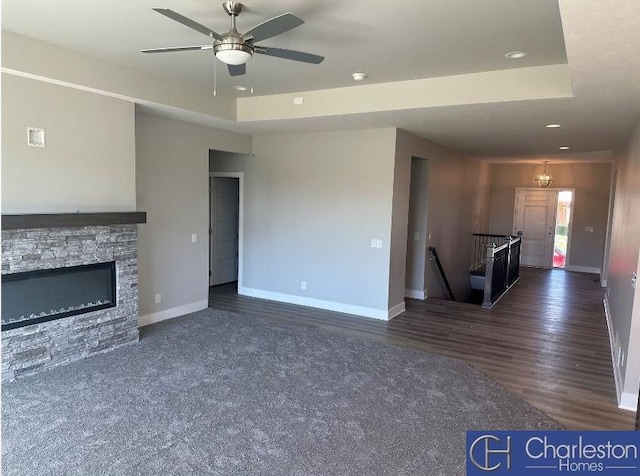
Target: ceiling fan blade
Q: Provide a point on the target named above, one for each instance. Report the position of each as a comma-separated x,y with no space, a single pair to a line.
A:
290,54
237,69
274,26
189,22
177,48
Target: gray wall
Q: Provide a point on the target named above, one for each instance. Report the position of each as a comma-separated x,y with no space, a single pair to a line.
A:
39,59
478,179
591,202
450,216
88,163
172,175
312,204
623,300
314,201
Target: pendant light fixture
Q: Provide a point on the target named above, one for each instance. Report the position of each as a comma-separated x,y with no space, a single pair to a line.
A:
544,178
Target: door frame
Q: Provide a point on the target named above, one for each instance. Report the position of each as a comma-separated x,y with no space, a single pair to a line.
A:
569,231
240,177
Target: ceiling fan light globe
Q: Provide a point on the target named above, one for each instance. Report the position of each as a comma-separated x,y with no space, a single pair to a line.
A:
233,57
233,53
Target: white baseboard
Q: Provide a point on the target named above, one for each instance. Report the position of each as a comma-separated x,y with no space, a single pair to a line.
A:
626,401
396,310
583,269
171,313
415,294
318,303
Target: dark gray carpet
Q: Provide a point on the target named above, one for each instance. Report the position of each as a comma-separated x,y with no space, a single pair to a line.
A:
219,393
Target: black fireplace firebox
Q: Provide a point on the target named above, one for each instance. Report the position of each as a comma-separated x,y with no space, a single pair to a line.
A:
34,297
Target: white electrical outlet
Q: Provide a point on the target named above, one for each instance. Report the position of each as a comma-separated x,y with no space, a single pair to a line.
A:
376,243
303,285
158,298
416,236
194,238
297,101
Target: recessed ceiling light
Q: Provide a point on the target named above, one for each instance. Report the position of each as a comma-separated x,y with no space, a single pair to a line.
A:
240,88
359,76
564,147
553,126
516,54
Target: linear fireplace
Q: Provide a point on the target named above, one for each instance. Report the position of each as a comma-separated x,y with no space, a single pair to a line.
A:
69,288
43,295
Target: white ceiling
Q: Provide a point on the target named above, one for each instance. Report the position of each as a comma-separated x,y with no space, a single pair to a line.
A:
391,41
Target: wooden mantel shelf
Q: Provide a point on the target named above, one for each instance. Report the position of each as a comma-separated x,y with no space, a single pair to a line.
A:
59,220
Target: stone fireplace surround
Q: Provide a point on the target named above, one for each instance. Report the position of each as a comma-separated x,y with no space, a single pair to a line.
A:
32,242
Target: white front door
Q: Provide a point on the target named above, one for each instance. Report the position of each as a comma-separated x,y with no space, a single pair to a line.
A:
535,216
224,230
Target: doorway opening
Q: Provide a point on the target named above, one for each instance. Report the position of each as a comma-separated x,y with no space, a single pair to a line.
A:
417,235
543,219
225,231
226,222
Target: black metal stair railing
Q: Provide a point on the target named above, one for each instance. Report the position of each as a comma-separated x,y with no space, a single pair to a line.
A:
502,269
514,261
442,273
479,250
498,274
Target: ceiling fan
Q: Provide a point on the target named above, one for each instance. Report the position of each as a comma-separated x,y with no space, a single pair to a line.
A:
235,49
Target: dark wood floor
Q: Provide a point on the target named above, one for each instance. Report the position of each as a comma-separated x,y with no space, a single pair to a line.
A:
546,340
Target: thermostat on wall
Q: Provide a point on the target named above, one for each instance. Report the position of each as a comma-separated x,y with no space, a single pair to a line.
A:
35,137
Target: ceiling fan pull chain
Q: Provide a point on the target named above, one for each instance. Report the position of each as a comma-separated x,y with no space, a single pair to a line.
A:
215,78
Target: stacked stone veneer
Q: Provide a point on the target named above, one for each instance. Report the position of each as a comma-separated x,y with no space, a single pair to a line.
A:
38,347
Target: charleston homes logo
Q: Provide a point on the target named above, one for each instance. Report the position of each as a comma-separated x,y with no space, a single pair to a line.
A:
484,463
553,452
